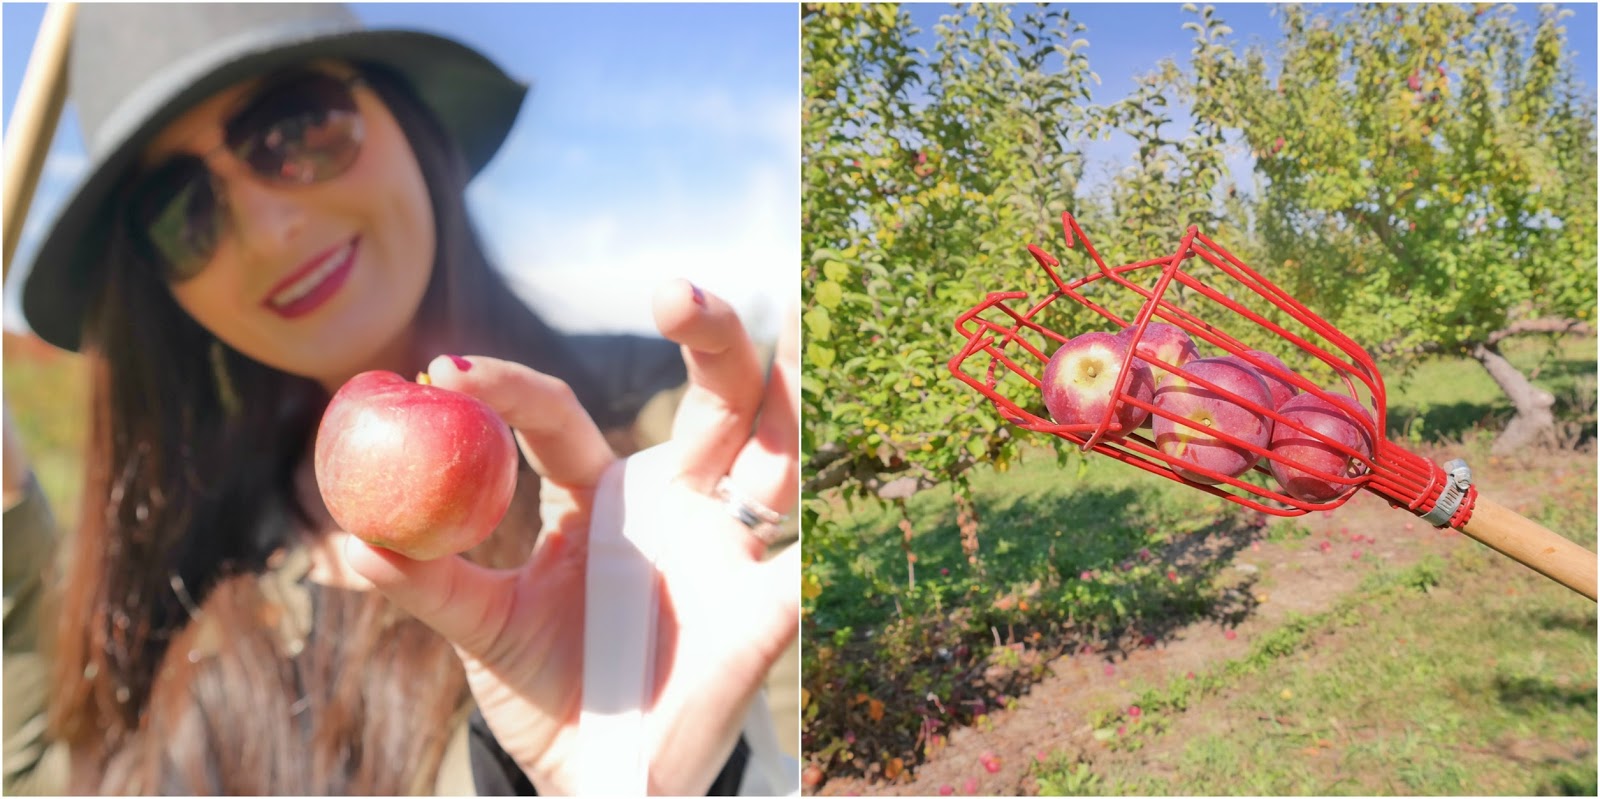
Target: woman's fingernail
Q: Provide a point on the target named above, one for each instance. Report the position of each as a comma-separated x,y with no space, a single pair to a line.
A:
461,363
699,296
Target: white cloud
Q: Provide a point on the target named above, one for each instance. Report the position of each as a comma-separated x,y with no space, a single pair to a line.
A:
589,259
67,167
596,270
769,120
710,112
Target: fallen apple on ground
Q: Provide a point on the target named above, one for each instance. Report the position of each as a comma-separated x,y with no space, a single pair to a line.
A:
811,777
1209,410
1332,419
414,468
1080,382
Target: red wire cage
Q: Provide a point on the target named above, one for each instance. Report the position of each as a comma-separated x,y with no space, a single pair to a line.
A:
1008,345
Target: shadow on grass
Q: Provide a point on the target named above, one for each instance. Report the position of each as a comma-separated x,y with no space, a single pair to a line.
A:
1097,571
1022,539
1575,425
1576,781
1448,421
1567,621
1536,694
1571,380
1035,545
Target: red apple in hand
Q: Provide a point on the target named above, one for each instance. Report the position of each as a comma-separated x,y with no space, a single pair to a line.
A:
1080,382
1207,409
421,470
1163,342
1334,420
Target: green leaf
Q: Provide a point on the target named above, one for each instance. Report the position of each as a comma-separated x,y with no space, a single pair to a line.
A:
828,294
819,323
836,271
820,357
976,447
823,254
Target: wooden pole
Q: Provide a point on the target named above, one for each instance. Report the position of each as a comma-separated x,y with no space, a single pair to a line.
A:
1533,546
33,120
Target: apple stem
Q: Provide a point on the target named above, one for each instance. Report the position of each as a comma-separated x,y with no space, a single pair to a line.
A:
424,379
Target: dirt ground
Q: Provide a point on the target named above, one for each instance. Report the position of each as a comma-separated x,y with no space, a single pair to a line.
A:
1304,576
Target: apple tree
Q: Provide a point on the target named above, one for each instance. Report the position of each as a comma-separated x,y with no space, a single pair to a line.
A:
1429,177
1171,182
925,175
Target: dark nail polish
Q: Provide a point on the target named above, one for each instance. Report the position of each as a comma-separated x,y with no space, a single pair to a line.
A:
699,296
461,363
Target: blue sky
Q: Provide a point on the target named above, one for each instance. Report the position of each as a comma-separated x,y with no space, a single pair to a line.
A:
1127,40
662,140
659,141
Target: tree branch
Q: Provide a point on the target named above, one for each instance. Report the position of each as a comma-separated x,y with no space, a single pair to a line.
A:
832,466
1521,327
885,482
1380,227
1571,327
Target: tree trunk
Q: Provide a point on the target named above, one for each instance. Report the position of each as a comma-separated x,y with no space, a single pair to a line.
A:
1534,422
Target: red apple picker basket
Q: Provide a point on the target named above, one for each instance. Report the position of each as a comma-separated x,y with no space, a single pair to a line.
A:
1266,451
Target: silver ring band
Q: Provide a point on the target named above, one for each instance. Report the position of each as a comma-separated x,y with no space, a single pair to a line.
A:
761,520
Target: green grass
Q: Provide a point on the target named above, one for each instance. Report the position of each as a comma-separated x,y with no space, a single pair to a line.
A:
890,631
875,635
1398,690
1059,776
46,394
1045,521
1444,398
1569,509
1427,700
1040,522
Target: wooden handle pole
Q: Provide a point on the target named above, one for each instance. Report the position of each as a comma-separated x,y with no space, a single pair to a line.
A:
33,120
1533,546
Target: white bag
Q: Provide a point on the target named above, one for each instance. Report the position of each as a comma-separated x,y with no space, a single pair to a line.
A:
620,636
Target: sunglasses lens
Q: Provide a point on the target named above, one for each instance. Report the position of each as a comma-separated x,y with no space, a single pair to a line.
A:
304,130
177,211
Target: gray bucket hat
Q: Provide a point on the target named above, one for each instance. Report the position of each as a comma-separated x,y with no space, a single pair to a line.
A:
134,67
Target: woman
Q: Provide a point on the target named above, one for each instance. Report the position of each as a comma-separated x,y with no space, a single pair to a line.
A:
275,204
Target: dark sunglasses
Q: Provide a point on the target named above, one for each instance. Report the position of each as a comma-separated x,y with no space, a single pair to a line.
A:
302,129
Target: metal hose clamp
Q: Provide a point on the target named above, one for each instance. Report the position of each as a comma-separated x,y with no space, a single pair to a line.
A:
1458,478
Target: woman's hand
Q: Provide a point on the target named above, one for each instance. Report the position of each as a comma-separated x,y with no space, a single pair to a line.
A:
724,615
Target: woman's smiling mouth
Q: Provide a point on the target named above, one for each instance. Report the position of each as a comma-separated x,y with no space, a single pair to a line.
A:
314,284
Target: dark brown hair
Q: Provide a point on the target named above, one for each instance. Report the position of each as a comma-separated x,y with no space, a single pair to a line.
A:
173,674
